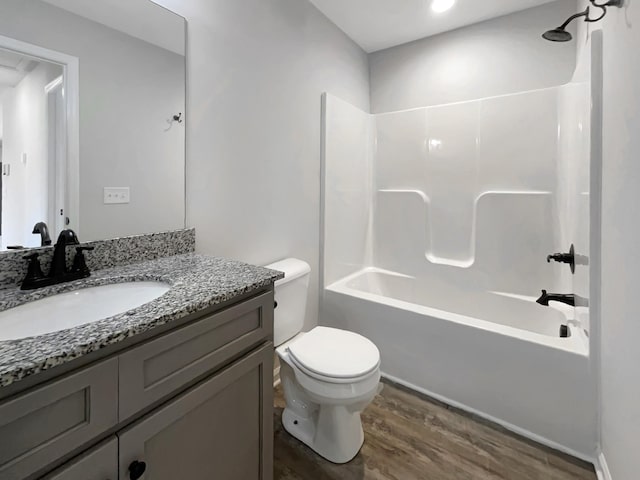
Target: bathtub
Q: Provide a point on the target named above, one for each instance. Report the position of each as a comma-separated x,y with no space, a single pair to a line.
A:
494,354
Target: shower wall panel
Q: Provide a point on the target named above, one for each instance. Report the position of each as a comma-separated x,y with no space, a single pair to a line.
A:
348,144
477,193
474,186
574,186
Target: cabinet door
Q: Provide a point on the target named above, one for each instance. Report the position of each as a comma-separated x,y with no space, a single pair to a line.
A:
100,463
220,429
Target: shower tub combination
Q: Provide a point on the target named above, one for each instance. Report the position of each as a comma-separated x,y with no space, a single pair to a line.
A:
437,222
492,354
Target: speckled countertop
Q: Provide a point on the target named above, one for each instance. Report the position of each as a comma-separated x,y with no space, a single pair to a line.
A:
197,282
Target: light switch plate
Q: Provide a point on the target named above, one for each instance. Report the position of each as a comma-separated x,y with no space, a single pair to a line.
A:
114,195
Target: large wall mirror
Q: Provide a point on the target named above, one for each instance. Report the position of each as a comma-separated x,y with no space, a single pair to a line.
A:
92,119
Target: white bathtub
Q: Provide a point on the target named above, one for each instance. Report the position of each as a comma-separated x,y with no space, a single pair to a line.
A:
494,354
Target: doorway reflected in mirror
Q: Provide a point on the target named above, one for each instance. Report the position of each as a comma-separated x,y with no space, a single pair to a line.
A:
32,148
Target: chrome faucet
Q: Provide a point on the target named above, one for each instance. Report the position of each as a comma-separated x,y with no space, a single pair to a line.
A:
568,299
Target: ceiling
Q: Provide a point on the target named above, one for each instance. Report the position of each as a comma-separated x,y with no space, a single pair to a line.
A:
379,24
142,19
13,68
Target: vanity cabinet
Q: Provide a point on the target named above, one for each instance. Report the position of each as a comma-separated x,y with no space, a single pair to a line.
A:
193,402
100,463
220,429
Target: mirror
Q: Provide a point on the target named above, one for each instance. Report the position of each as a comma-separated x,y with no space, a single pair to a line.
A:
92,119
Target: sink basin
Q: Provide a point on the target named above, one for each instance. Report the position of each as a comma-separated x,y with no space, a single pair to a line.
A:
79,307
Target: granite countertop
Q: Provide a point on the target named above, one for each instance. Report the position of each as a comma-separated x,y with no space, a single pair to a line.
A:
197,282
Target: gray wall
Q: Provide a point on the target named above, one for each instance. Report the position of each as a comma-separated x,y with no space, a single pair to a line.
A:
620,324
128,90
257,69
496,57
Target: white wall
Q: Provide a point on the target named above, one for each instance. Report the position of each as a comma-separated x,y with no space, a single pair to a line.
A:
25,191
500,56
620,324
128,90
257,69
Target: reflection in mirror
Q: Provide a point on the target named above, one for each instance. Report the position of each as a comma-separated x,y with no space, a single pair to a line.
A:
32,143
92,119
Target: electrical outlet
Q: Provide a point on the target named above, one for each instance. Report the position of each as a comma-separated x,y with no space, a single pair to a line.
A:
114,195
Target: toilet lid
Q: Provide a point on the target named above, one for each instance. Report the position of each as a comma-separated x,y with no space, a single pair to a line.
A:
334,353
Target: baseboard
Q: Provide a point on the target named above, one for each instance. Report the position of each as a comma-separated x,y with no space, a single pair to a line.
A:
602,469
512,428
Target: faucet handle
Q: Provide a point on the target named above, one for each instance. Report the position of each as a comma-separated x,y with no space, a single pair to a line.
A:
34,271
569,258
79,261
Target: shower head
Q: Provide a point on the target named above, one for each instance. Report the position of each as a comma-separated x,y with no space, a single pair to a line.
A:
557,35
560,34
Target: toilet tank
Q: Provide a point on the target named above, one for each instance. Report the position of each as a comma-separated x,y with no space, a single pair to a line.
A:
291,299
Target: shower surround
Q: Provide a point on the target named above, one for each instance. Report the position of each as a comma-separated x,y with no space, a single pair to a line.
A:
436,226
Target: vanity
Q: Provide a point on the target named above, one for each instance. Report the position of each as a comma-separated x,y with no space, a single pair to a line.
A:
158,364
179,387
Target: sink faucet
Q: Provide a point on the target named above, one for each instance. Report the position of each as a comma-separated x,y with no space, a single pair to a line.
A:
42,229
59,263
569,299
59,272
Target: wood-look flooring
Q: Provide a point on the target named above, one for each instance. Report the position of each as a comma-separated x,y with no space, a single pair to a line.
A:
410,437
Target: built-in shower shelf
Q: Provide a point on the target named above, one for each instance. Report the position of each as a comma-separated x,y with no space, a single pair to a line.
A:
411,211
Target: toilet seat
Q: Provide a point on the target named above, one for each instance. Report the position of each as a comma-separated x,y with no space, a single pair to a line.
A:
334,356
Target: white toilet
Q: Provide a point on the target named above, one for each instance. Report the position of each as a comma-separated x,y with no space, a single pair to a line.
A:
328,375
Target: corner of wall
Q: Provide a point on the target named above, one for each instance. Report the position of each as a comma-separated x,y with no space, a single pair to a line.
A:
602,469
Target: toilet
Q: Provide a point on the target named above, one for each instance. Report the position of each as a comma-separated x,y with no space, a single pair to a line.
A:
329,376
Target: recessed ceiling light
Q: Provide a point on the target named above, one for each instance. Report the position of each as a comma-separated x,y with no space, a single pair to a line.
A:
440,6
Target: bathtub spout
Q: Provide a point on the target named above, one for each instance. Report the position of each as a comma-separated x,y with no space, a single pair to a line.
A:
569,299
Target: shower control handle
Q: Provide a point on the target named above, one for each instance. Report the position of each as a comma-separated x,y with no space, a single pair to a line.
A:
559,257
569,258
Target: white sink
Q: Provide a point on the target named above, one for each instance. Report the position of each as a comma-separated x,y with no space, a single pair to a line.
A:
79,307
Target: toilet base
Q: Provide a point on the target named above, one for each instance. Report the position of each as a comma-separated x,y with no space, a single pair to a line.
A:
333,431
325,416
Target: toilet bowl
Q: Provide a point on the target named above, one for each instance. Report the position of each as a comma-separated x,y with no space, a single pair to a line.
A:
323,405
329,376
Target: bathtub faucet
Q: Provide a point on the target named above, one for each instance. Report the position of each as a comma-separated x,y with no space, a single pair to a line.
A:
569,299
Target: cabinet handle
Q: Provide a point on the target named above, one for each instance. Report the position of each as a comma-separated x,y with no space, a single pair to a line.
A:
137,469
